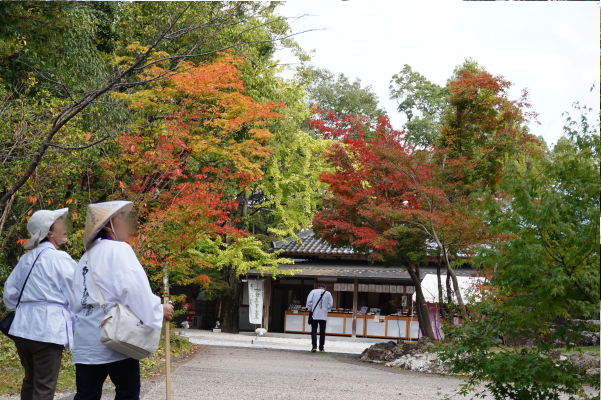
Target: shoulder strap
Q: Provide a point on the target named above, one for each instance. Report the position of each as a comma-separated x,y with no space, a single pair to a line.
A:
320,297
96,288
29,273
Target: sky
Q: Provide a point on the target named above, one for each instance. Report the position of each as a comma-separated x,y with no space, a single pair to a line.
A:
551,48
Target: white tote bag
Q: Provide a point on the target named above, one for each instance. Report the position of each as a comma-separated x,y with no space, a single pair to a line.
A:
122,331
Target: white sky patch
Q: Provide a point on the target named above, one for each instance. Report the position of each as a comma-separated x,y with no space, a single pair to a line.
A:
552,48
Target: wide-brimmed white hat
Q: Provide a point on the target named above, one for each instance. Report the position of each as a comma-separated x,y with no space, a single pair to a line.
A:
39,225
99,214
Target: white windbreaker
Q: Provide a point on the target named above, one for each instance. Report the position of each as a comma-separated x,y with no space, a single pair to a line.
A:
323,308
121,279
44,313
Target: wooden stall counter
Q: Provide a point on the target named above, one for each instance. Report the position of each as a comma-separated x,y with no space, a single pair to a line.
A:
392,327
296,321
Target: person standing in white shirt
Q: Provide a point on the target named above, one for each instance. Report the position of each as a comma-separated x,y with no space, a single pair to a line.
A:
121,279
320,303
43,323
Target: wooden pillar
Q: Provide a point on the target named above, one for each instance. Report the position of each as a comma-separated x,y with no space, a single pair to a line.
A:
266,302
355,299
336,299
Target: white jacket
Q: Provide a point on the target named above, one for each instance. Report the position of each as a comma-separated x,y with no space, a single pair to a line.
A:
121,279
44,313
324,306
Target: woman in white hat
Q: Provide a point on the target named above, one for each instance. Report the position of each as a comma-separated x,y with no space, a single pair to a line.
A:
121,279
39,289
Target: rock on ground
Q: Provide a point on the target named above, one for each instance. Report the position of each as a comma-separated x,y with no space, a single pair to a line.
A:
587,363
421,357
411,356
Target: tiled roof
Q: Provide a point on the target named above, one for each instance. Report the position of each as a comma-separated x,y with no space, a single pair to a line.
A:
356,269
318,258
312,246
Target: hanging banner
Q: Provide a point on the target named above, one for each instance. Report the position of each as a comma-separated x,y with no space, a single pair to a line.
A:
255,301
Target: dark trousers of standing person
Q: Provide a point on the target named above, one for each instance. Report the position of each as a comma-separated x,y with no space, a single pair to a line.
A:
42,363
322,333
125,375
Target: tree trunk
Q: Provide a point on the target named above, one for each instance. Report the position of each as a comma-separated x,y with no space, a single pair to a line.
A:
230,304
451,273
458,295
422,307
441,303
450,315
421,319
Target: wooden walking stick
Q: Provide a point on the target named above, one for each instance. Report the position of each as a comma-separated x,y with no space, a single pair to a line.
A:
167,336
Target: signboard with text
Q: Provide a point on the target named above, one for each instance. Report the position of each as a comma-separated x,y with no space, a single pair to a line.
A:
255,301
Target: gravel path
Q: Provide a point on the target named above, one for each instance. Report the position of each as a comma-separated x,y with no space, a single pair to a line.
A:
234,373
222,372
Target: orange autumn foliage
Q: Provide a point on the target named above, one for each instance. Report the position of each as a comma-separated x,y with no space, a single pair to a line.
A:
203,141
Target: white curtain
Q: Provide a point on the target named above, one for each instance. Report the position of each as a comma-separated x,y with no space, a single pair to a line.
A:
255,301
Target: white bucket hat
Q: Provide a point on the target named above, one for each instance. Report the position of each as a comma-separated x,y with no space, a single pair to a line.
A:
99,214
39,225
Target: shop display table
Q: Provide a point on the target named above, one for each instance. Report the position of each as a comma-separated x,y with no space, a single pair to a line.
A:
391,326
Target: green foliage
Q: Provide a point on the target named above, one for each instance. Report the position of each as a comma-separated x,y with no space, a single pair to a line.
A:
284,201
549,228
291,191
509,372
544,270
327,91
422,102
64,40
242,255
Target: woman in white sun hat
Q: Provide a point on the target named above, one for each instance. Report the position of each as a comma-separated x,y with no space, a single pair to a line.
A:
39,289
121,279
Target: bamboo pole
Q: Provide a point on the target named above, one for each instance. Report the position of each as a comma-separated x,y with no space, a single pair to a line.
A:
167,338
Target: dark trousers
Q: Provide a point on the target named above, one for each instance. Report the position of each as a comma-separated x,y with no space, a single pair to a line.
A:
322,333
42,363
124,374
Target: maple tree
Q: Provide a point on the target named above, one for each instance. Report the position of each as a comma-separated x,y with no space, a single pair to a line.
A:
481,124
441,209
202,155
185,171
206,169
388,200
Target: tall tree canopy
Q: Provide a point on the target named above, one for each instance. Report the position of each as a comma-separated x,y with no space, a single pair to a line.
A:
388,200
330,92
422,102
482,124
